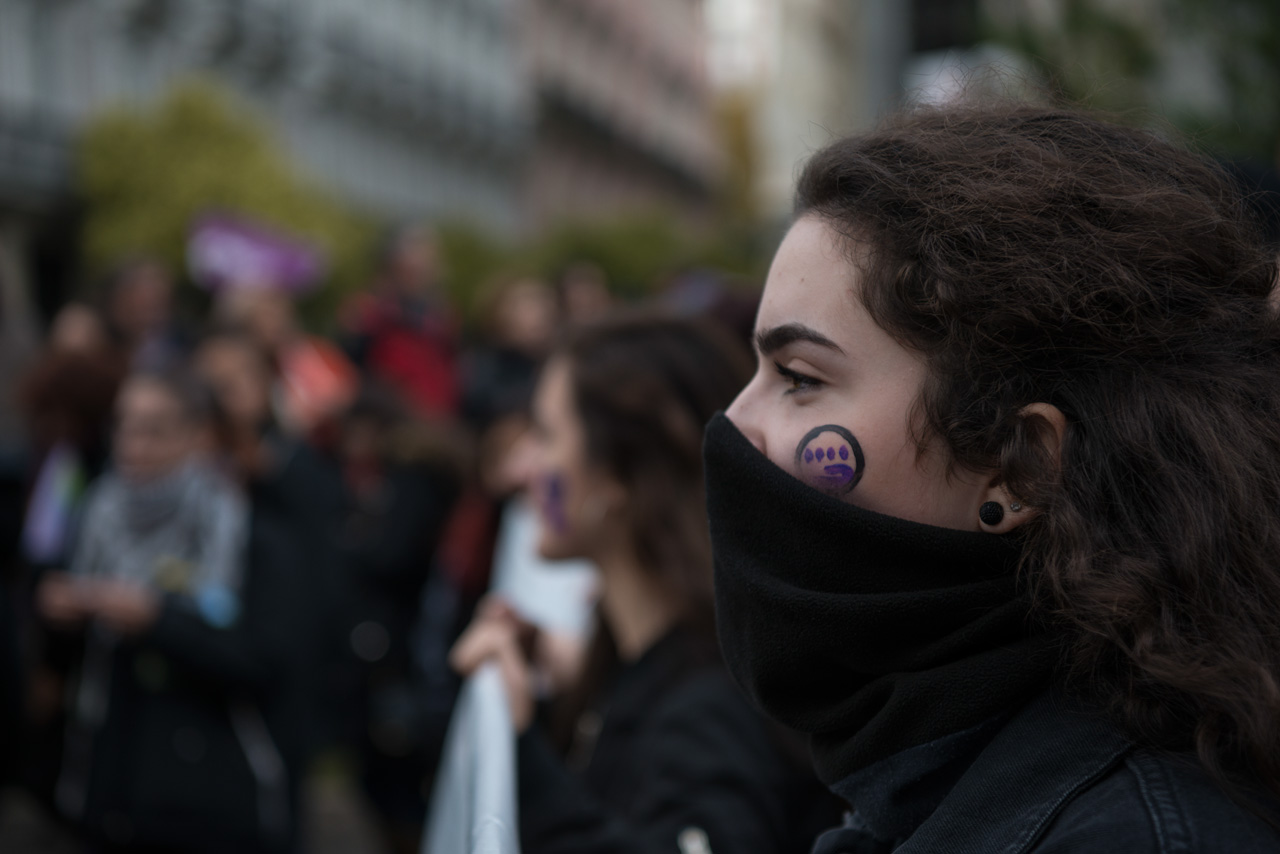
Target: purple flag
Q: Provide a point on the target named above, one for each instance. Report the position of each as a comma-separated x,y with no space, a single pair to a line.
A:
226,252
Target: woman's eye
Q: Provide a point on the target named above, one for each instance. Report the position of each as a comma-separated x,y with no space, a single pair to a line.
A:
797,380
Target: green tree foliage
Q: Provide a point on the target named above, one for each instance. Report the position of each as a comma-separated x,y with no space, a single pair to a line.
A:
1243,37
470,257
146,173
1123,59
638,252
740,193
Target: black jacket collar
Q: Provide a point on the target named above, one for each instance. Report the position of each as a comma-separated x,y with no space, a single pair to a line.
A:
1049,751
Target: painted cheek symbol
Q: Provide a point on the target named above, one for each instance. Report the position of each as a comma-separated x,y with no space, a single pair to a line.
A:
552,502
830,459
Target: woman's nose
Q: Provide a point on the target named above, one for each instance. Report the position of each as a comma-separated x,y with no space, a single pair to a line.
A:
742,413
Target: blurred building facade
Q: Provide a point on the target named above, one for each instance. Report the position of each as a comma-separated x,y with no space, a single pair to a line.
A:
405,108
510,114
624,108
811,70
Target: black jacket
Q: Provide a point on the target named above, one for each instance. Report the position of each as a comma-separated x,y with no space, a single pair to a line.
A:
200,746
1057,779
679,758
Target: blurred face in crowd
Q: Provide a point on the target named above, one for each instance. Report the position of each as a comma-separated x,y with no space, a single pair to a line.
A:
154,436
525,317
143,301
238,374
577,502
586,294
831,400
414,263
266,313
77,329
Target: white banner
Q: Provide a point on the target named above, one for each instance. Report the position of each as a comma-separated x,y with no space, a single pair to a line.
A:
473,809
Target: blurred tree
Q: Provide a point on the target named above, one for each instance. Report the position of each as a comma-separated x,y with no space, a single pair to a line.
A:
1243,37
1212,67
735,115
470,257
638,252
146,174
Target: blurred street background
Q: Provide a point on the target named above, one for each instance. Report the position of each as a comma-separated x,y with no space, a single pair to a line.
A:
362,223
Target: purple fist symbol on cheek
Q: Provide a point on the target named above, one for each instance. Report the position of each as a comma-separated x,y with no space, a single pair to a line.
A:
829,458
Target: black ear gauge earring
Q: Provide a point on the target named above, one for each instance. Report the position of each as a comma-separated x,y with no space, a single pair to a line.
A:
991,513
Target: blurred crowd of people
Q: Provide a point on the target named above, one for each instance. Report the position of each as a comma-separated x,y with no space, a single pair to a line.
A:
243,546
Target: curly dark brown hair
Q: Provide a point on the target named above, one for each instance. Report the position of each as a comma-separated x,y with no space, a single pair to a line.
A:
1039,255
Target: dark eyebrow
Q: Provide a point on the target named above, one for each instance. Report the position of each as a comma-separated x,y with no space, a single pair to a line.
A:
769,341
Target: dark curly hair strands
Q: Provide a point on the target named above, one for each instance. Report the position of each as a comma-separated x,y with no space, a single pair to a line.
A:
1036,255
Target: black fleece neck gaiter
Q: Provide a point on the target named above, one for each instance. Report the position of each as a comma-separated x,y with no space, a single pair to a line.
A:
869,633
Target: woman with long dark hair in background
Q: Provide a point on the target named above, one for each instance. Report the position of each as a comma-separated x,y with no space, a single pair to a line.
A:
649,746
997,521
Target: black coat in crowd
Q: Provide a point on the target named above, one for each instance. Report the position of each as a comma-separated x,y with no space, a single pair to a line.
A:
299,495
387,540
200,748
680,763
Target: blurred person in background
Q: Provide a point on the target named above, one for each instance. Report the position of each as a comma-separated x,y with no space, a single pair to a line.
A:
139,312
518,322
584,293
521,318
239,372
256,275
184,602
403,335
299,491
647,746
556,597
67,399
18,349
297,482
313,381
264,314
396,502
401,332
707,293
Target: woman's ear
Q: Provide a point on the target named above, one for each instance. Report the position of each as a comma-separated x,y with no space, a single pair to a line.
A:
1034,456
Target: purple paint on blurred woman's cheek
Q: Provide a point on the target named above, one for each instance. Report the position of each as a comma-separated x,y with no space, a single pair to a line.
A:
553,510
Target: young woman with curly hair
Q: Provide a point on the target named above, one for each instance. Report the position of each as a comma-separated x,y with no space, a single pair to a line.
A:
997,521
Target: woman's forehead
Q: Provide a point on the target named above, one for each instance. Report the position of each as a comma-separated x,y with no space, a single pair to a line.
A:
811,284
